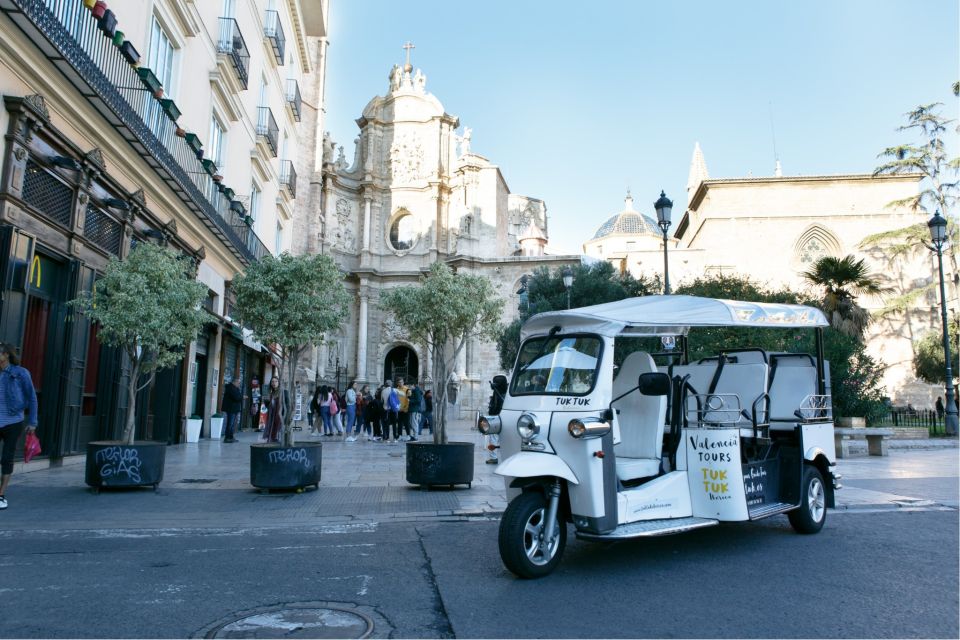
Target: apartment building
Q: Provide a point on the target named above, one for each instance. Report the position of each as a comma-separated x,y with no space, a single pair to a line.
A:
171,121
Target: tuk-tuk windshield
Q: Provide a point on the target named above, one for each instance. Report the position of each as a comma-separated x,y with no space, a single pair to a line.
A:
557,365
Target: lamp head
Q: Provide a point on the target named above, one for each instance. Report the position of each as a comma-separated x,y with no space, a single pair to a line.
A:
567,277
938,229
664,206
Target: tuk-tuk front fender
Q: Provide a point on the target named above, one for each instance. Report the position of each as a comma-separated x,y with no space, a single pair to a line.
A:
529,464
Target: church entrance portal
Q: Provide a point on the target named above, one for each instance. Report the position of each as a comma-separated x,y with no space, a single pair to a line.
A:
401,362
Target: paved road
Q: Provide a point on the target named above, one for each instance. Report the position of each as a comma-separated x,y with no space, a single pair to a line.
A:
889,574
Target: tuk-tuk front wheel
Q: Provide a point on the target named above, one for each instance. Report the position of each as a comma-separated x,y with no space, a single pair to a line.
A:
523,548
811,515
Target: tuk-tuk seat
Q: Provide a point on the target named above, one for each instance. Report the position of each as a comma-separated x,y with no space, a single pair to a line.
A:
792,380
641,421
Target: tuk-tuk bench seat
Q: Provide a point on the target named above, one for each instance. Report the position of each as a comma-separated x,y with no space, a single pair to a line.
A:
846,440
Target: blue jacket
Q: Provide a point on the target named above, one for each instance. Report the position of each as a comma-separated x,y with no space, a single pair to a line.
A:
20,394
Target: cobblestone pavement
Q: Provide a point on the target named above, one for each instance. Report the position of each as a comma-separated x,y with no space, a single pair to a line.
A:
206,485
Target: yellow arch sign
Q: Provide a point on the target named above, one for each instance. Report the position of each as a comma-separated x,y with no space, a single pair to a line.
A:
36,270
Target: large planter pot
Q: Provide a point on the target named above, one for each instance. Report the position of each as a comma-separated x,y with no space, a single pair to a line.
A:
193,429
435,464
216,427
112,464
277,467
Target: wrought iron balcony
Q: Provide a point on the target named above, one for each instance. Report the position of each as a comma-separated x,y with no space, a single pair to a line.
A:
68,35
273,31
294,101
288,177
267,129
233,45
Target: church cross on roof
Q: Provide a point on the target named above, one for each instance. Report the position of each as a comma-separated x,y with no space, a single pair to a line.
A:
409,45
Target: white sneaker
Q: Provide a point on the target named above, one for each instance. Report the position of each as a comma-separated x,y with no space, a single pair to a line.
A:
352,439
3,502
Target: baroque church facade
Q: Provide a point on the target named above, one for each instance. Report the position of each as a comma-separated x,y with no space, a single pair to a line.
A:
414,193
772,229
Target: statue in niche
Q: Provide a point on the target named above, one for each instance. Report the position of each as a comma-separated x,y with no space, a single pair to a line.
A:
396,77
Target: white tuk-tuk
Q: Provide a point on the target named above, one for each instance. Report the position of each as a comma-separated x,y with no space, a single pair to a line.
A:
648,449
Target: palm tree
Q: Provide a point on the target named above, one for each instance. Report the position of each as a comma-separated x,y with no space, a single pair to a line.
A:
843,279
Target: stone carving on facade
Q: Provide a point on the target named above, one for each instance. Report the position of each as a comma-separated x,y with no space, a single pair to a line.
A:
406,160
346,237
420,82
329,147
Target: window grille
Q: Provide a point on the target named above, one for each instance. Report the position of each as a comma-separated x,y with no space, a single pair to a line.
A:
44,192
102,230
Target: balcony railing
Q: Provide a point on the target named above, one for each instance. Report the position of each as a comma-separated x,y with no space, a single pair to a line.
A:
273,31
233,45
68,35
293,98
288,177
267,128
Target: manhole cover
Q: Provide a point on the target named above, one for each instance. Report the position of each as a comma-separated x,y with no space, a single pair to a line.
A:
320,622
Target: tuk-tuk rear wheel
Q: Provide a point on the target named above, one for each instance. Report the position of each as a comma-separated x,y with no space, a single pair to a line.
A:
811,515
522,548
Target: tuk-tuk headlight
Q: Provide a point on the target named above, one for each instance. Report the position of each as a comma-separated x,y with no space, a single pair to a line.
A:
588,428
489,425
527,427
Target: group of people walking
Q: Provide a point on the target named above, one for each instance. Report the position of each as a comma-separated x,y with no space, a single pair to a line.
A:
388,414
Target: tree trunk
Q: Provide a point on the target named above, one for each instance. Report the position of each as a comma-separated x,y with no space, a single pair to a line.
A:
130,427
441,375
291,356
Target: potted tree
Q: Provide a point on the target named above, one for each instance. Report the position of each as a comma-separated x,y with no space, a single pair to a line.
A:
292,302
149,306
443,312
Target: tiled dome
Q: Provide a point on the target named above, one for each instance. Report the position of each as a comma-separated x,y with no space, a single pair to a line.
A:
628,221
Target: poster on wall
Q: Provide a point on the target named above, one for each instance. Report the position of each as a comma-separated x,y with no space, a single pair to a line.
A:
298,405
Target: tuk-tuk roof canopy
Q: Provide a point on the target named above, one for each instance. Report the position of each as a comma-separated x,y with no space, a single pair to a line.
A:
673,315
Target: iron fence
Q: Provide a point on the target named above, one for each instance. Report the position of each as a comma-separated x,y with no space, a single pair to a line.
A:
917,419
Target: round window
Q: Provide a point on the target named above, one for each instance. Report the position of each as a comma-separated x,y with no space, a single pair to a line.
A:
403,233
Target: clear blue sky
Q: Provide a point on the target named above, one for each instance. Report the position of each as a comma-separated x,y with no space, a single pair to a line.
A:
576,101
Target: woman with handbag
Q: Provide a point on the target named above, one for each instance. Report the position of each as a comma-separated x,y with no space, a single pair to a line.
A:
17,396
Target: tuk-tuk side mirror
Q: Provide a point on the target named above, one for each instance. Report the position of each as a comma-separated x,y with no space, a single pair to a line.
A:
654,384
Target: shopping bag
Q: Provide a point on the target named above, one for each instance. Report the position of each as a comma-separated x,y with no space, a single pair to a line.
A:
31,447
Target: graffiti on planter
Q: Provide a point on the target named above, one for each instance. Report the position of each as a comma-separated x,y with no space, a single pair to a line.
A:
119,461
290,455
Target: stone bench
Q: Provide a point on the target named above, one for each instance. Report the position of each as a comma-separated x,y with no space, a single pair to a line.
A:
847,441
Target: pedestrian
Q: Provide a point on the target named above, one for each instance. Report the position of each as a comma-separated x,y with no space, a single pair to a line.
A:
232,405
17,396
323,406
336,410
416,408
350,404
255,403
403,416
376,411
315,408
366,408
428,410
940,408
391,407
278,405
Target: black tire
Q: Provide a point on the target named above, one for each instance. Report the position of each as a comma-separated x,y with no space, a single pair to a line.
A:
520,548
812,513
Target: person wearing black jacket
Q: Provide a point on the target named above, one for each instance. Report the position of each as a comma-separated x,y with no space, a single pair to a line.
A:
232,405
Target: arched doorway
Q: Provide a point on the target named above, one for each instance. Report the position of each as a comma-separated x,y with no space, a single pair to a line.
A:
401,362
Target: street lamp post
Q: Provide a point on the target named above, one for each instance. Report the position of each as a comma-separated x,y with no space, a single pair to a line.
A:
664,206
938,235
568,282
